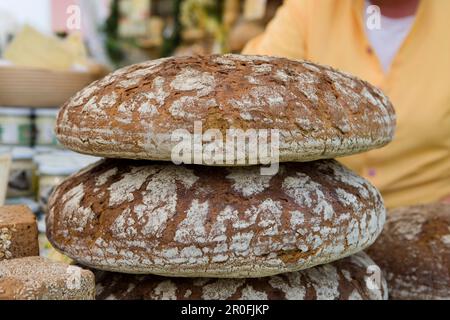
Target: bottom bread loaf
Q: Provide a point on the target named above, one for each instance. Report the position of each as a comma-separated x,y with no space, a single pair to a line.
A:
353,278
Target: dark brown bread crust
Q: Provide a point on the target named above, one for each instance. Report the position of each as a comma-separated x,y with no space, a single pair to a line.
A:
18,233
414,252
320,113
195,221
36,278
346,279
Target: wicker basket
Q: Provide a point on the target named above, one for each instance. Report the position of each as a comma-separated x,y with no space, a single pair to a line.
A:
36,88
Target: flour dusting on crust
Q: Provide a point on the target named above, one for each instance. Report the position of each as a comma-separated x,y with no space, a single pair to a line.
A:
182,220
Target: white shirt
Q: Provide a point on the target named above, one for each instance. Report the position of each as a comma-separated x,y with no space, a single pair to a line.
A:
387,40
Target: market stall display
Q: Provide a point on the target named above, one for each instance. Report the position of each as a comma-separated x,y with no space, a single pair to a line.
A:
36,278
146,217
176,212
346,279
18,233
414,252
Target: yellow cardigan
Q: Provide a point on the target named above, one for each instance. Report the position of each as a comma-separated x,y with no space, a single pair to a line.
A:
415,168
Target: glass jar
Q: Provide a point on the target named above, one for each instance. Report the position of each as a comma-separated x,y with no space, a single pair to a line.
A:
16,127
49,179
22,175
45,127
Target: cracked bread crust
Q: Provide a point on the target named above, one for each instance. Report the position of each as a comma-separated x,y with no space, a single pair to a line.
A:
194,221
320,113
346,279
414,252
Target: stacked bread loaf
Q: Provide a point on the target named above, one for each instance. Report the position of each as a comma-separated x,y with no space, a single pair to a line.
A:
222,230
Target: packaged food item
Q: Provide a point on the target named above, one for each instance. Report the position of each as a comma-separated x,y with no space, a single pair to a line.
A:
22,175
45,127
15,126
5,163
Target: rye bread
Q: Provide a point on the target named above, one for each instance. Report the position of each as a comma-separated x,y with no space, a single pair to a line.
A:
319,113
195,221
353,278
414,252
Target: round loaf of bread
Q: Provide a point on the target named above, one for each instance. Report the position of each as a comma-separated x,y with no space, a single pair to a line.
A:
414,252
317,112
196,221
353,278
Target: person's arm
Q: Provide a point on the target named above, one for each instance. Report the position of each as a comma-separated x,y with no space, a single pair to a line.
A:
285,35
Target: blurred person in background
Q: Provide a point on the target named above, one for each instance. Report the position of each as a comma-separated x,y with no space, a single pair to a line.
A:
401,46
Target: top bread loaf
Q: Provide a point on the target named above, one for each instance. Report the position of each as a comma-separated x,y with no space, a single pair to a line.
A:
314,112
